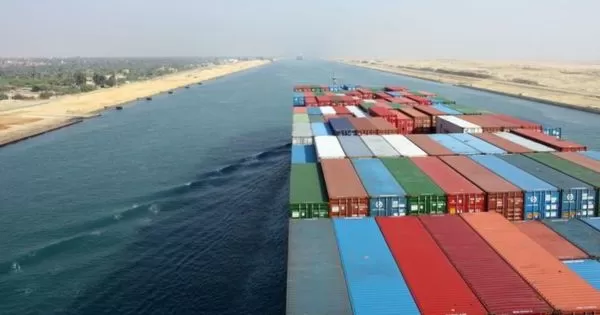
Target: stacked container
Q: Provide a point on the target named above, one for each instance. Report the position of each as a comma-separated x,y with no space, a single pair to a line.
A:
453,124
386,197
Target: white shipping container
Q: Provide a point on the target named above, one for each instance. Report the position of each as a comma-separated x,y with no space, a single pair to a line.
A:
453,124
327,110
302,140
301,130
328,147
379,146
356,111
404,146
530,144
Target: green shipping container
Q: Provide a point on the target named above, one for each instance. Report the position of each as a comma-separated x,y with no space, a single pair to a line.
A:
301,118
366,106
571,169
319,93
444,100
316,118
466,110
308,197
423,196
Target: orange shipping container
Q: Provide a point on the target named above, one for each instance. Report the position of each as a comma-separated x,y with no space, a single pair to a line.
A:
550,240
299,110
562,288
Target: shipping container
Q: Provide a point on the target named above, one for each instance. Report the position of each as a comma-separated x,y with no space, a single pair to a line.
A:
307,192
300,118
394,88
466,110
453,124
442,100
426,269
531,145
447,110
593,222
551,241
461,194
379,146
421,121
320,129
542,200
363,126
587,269
401,144
401,122
302,154
382,125
476,143
327,110
486,122
386,197
591,154
366,94
579,159
501,196
298,99
365,105
310,101
328,147
550,141
342,127
518,122
504,144
563,289
313,111
300,110
423,196
302,133
324,100
354,147
356,111
375,284
316,118
431,112
499,288
454,145
419,99
347,196
383,96
428,145
579,233
342,110
404,101
315,279
577,199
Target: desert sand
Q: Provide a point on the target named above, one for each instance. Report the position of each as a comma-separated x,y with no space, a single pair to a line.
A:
571,85
21,120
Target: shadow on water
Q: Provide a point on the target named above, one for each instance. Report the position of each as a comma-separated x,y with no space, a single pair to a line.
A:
221,253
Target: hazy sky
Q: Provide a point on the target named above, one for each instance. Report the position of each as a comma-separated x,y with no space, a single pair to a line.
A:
494,29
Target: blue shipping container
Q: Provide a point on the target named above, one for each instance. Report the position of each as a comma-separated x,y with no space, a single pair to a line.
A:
342,127
354,147
541,200
577,199
445,109
592,154
334,88
386,196
302,154
348,87
579,233
375,284
593,222
587,269
477,144
313,111
298,99
453,145
320,129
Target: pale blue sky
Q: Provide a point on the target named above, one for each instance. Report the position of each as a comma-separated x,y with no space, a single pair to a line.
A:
485,29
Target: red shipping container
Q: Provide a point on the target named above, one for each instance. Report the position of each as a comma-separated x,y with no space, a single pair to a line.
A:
420,100
403,101
363,126
428,145
518,122
429,111
308,94
579,159
383,95
301,88
560,145
499,288
501,196
299,110
341,110
436,286
310,101
354,93
325,88
323,100
403,123
550,240
506,145
366,94
382,125
395,88
463,196
487,125
347,196
422,121
383,105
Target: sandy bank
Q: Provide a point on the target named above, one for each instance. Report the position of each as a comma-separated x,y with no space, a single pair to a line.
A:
22,120
567,85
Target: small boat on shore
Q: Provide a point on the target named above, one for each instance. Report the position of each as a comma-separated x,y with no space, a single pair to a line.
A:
119,107
170,92
149,98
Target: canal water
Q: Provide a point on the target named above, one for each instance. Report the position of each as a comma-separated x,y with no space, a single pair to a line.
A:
178,205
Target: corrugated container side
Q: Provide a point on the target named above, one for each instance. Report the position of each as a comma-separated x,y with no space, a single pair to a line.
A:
501,196
476,143
401,144
518,122
363,126
542,200
382,125
354,147
580,160
315,279
421,121
485,124
577,199
559,145
532,145
591,154
500,289
347,196
462,195
302,133
307,192
320,129
453,124
379,146
431,112
565,291
302,154
342,127
386,197
426,269
356,111
375,284
577,232
454,145
550,240
428,145
502,143
587,269
401,122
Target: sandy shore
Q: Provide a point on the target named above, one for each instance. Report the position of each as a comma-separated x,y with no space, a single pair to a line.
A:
22,120
566,85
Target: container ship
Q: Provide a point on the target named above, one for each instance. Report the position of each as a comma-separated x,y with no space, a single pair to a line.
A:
405,202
